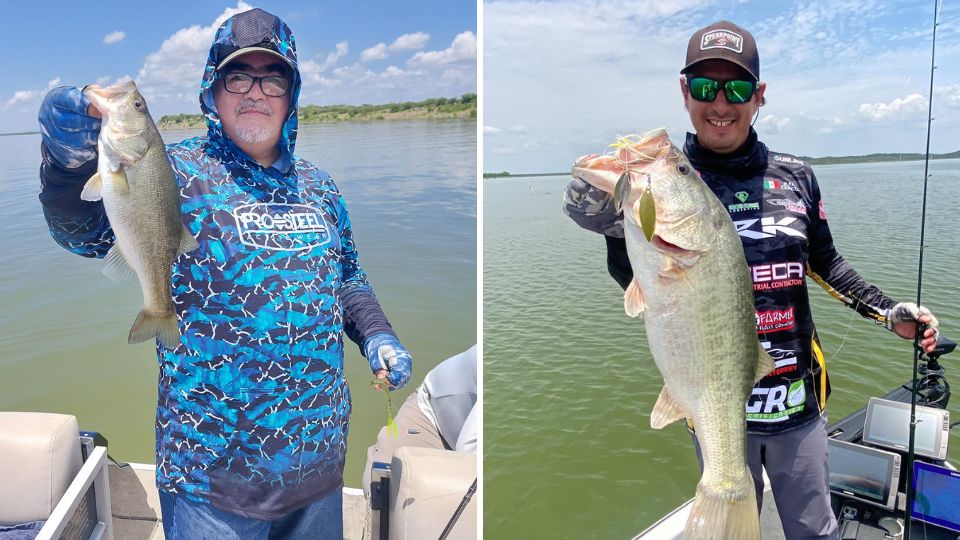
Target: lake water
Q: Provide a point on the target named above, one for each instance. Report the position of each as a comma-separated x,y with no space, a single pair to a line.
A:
569,382
410,188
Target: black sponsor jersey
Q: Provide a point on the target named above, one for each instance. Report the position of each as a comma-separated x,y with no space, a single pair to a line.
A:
775,202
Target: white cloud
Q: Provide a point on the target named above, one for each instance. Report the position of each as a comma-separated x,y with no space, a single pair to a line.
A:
20,96
381,50
583,75
29,99
417,40
463,48
949,93
114,37
172,73
312,71
914,103
377,52
332,58
774,124
491,130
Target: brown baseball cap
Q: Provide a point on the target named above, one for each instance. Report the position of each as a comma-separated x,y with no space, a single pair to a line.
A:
724,40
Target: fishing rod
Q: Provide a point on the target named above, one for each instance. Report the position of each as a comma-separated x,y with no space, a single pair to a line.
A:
919,328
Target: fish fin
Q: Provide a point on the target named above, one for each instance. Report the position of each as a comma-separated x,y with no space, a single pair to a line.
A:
116,266
720,515
91,190
633,299
765,364
148,325
667,410
187,242
134,147
119,180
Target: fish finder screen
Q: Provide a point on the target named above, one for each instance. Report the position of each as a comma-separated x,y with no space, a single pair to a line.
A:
888,426
937,497
862,472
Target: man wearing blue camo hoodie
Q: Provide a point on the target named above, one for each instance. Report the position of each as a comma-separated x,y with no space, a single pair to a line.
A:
253,409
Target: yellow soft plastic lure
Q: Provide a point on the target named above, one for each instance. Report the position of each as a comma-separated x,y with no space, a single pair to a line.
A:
392,428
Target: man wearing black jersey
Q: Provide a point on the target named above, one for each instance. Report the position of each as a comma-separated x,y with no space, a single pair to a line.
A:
774,201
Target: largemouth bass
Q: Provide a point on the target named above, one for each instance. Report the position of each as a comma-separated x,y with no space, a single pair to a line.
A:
140,194
693,286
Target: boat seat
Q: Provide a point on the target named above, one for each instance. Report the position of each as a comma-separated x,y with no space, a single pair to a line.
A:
426,487
39,457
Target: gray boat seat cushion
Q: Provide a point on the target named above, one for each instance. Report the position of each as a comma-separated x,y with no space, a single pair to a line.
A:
426,487
39,457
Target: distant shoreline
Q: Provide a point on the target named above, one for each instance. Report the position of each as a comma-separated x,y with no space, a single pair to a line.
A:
464,106
830,160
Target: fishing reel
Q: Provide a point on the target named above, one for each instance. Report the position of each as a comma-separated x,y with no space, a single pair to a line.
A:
933,390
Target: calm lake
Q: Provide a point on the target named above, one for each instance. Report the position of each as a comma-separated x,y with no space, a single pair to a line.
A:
569,382
411,191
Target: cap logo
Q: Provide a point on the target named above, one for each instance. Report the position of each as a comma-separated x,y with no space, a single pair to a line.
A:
722,39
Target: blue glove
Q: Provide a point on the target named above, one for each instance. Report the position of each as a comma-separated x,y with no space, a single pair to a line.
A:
68,132
384,351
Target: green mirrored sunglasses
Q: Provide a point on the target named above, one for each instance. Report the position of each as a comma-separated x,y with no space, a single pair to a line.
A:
706,89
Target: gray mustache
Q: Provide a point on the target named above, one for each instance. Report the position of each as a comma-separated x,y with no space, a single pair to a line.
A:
259,106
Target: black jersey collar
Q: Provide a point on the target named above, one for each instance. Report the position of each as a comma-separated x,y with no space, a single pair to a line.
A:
748,160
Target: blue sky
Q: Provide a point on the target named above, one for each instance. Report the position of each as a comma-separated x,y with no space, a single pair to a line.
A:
350,52
562,78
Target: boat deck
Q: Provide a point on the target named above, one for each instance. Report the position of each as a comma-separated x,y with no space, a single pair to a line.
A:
136,505
671,526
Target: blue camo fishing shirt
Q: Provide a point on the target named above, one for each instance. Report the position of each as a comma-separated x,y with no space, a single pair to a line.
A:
253,409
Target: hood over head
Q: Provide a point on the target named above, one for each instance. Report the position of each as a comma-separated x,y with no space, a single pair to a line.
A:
253,30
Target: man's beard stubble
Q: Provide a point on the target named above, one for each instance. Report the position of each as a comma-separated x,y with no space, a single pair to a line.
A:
251,131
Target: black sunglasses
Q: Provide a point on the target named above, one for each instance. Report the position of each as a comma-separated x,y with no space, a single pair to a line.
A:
706,89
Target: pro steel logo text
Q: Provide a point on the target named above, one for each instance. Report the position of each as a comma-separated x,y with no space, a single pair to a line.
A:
286,227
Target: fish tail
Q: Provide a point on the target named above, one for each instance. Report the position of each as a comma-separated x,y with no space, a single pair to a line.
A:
149,325
718,515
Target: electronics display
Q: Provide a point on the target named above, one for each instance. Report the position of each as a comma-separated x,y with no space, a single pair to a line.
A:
887,425
937,499
864,473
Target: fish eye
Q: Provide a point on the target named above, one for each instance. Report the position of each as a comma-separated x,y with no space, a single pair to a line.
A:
138,104
683,169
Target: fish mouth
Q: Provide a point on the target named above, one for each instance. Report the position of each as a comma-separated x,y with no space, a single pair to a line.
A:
100,96
108,92
666,247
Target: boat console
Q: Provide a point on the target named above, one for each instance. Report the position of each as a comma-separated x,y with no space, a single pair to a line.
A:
869,467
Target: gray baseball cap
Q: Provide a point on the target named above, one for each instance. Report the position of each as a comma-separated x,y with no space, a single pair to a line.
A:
253,30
